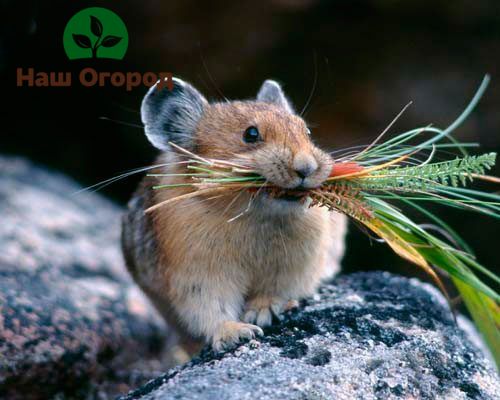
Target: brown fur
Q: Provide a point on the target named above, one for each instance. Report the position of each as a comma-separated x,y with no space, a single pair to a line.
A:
208,274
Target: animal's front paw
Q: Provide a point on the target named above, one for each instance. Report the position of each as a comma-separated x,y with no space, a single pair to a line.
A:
260,310
230,333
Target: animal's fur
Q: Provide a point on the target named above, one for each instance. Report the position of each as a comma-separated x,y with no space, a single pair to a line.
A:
213,278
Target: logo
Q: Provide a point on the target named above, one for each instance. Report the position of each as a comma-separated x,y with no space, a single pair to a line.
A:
95,32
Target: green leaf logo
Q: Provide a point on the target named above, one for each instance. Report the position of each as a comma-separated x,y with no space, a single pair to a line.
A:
110,41
95,32
95,26
82,41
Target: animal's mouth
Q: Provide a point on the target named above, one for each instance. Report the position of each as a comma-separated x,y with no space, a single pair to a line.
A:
291,195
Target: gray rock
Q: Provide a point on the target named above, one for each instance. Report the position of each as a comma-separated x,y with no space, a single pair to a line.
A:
366,336
71,321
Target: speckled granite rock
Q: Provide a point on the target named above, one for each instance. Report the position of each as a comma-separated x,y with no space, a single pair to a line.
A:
368,336
71,321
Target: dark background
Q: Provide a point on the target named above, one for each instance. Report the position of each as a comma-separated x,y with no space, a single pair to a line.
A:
370,58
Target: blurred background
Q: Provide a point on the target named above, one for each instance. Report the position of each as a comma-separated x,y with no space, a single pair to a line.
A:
370,58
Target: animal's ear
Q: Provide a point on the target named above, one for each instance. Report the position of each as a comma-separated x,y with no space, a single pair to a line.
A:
271,92
172,115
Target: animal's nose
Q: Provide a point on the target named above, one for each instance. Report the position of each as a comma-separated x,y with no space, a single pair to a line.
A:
304,165
304,172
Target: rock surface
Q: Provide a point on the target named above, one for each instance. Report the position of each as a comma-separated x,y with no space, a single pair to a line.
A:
367,336
71,321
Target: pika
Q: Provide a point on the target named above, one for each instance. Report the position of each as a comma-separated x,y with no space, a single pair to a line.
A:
218,279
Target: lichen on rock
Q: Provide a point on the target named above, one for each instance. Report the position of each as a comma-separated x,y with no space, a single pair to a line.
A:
366,336
72,323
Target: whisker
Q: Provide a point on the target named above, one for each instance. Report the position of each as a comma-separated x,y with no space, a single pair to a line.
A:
210,77
198,201
116,121
125,108
311,94
100,185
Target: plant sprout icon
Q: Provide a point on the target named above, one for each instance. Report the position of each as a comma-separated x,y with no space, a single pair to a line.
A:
84,41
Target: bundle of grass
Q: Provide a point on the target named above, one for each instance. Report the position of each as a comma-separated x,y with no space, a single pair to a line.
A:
365,182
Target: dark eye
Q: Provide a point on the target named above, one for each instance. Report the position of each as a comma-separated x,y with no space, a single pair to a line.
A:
251,135
308,131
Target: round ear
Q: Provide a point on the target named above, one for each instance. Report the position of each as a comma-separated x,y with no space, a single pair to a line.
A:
271,92
172,115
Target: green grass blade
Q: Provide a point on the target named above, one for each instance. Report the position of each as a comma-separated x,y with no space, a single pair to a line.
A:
485,313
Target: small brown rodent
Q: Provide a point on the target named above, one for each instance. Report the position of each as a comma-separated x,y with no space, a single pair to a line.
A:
217,280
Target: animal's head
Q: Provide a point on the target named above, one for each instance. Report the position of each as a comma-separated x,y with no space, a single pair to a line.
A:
264,133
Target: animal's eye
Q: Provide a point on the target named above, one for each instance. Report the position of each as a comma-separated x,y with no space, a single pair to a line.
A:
251,135
308,131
